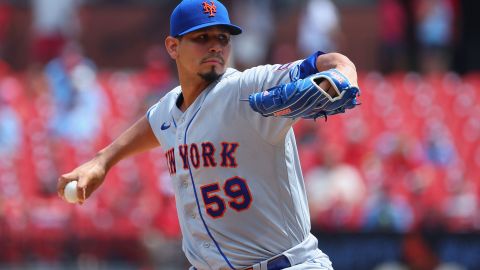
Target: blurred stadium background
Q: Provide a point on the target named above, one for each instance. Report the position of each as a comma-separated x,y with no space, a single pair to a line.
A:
393,184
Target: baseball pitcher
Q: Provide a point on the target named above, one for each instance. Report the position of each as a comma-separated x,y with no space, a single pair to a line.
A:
229,145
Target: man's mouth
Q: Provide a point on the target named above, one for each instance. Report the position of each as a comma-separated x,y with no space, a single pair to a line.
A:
214,61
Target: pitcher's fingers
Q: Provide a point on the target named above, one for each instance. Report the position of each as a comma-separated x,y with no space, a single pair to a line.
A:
81,186
81,194
84,185
327,87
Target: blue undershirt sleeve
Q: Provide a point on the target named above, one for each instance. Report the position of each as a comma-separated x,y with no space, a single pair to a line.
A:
306,68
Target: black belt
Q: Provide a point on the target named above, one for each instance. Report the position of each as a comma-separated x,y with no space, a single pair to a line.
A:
276,263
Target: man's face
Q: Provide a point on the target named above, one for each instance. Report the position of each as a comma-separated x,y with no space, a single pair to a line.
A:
203,53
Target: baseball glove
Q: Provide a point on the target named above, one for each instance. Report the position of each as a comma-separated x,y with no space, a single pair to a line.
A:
304,98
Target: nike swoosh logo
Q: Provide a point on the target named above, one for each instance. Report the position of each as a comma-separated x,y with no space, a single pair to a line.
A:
165,126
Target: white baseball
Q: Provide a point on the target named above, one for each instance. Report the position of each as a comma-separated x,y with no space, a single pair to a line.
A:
70,192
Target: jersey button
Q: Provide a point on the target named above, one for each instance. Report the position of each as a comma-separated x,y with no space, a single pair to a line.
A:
206,245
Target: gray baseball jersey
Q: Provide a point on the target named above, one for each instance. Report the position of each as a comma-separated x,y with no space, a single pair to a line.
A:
237,178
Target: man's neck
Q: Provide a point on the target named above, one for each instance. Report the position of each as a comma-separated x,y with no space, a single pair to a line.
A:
191,89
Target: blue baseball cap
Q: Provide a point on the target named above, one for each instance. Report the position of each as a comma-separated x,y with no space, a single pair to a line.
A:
191,15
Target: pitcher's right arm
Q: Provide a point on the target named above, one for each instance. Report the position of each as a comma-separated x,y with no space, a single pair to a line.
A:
90,175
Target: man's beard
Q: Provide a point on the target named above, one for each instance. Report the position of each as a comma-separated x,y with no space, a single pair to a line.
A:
210,76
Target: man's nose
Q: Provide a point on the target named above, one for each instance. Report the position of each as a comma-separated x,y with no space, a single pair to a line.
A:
216,47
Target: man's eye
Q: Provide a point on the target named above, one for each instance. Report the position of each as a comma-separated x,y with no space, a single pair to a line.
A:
201,38
224,39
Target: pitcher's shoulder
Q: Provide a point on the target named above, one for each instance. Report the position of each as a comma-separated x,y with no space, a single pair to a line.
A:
165,103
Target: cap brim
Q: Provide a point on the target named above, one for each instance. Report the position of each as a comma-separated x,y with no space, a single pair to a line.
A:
234,30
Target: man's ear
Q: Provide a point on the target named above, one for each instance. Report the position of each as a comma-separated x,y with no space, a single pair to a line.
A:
171,44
